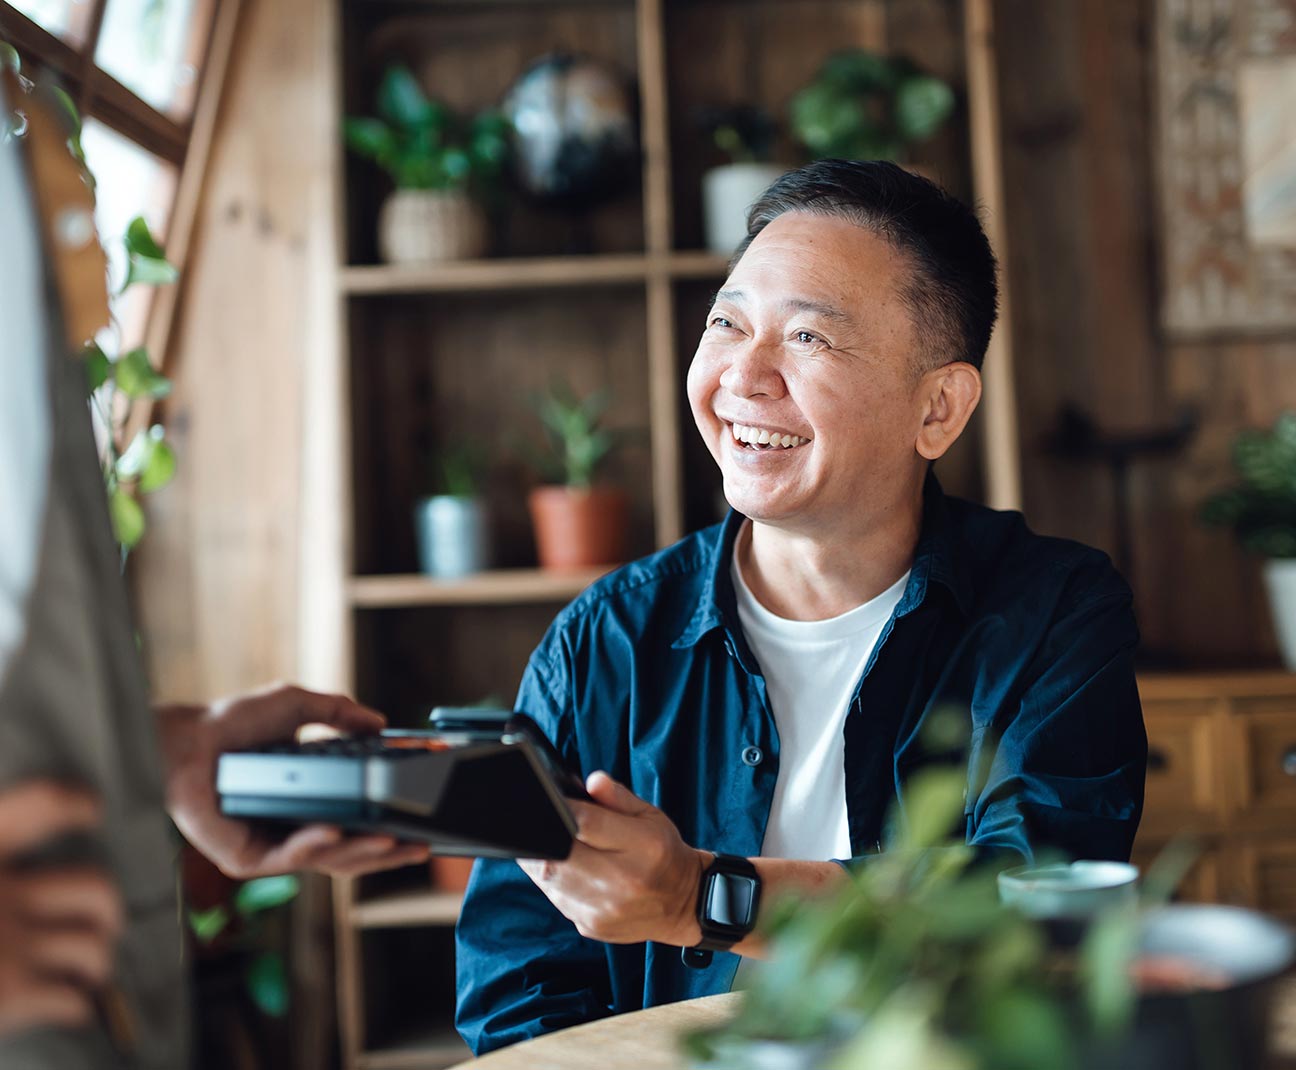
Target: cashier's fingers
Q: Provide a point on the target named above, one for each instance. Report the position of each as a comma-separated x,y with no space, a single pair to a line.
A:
82,896
28,1002
277,712
343,856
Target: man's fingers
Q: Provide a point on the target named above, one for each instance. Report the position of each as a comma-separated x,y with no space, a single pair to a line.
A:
605,830
36,811
607,792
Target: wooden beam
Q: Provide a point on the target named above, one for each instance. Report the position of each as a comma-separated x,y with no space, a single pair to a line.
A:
1002,450
184,215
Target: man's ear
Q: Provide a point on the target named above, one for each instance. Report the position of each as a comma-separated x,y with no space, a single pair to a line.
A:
950,394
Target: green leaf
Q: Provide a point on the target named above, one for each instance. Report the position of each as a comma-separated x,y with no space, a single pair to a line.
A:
160,469
1027,1031
208,924
1106,956
137,378
98,367
9,58
401,101
140,241
265,893
922,104
267,982
371,138
933,803
148,459
70,112
150,272
127,517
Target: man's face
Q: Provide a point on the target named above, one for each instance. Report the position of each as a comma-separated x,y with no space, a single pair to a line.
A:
808,338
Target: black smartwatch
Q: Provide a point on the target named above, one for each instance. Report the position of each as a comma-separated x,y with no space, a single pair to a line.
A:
727,903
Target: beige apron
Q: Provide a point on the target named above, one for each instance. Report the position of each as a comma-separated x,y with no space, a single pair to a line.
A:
73,705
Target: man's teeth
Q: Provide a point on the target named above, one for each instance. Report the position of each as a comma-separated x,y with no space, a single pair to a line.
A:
758,436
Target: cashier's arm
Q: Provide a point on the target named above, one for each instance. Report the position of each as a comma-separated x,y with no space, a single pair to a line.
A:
631,877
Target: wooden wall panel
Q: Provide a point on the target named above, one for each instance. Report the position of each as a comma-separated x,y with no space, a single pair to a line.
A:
1078,115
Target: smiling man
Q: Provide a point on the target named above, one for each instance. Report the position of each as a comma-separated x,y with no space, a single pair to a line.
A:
749,703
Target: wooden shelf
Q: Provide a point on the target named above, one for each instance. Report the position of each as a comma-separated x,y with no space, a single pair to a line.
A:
422,907
498,587
553,272
428,1049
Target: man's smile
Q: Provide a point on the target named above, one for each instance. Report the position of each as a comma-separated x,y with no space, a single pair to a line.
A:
764,438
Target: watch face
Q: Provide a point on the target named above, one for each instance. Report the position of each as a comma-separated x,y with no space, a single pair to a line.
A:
729,900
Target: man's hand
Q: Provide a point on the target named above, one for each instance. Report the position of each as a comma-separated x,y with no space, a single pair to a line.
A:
58,924
193,737
630,876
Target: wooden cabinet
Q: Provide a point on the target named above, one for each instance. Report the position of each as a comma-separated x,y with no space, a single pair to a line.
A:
419,357
1222,770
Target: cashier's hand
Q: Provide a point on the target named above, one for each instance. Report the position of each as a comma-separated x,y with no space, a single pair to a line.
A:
193,737
58,923
630,876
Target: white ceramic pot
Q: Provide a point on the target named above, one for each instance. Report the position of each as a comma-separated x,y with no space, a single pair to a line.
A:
1280,578
418,226
727,193
452,536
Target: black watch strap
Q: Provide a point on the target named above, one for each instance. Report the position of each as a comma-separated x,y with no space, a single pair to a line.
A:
727,905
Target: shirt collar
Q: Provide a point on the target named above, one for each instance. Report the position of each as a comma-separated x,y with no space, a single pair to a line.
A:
935,561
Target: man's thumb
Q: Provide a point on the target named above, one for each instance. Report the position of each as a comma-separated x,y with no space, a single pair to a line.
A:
607,792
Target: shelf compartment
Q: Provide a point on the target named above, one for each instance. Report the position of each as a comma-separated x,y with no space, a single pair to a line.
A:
498,587
526,273
408,908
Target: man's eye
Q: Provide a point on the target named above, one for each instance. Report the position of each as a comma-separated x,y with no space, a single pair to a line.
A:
807,337
719,321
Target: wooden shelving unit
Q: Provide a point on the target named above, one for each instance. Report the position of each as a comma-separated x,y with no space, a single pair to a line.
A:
426,355
498,587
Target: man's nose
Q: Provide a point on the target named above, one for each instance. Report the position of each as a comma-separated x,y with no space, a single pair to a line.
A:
753,371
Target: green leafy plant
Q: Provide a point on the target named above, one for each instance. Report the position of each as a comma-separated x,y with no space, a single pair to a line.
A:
577,442
742,133
1261,509
423,145
864,106
456,470
915,964
242,921
115,383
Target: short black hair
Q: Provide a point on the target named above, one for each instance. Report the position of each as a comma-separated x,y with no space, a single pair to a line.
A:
952,296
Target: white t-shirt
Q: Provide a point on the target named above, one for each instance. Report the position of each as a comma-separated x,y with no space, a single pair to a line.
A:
811,669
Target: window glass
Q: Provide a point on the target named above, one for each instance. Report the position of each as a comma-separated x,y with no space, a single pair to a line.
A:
128,182
154,47
63,18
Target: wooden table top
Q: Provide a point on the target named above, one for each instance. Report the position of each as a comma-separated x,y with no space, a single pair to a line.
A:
642,1040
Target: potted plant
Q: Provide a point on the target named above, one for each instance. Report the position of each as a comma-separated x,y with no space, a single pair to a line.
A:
743,135
864,106
451,525
577,524
918,963
1261,510
442,166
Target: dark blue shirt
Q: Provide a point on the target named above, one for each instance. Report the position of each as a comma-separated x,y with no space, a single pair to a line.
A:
646,675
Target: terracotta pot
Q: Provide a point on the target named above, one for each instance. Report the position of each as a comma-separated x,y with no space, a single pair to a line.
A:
579,528
425,226
450,874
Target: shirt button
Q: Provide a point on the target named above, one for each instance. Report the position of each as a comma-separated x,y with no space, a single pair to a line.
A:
752,755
